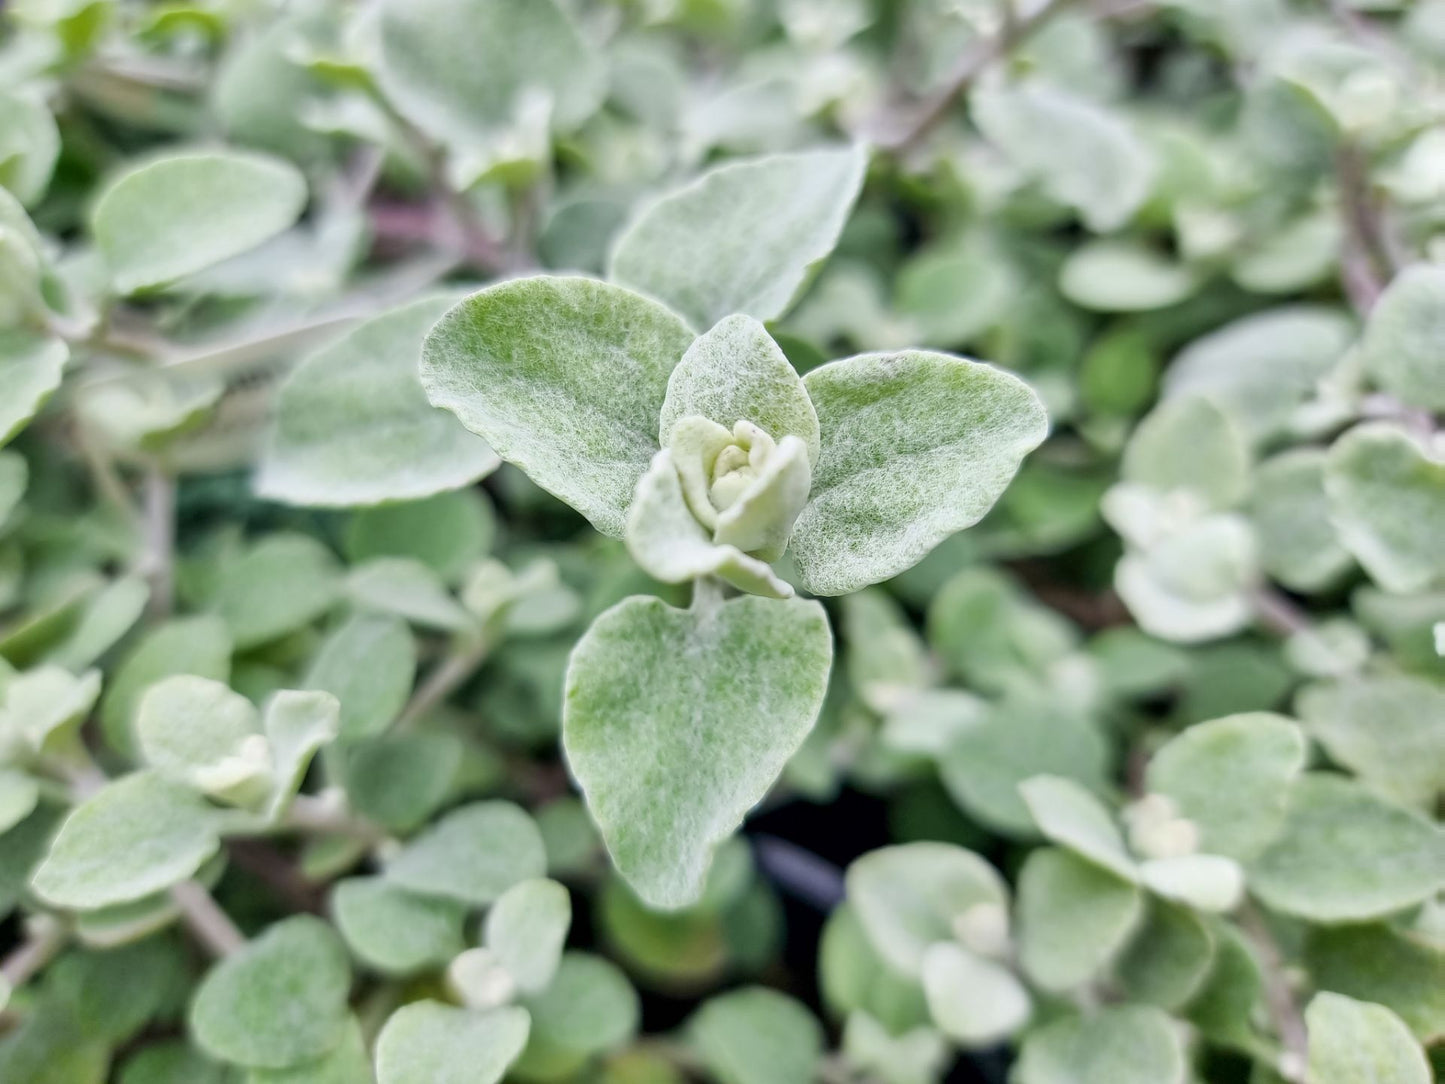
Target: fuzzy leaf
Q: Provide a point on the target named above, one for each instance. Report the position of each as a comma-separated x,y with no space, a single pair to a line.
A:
177,215
1345,855
368,664
743,237
1298,544
473,854
279,1001
1167,961
282,583
30,368
189,645
1123,276
910,896
916,446
1129,1044
974,1001
1401,346
427,1042
1355,1042
1073,915
563,377
198,732
1402,969
353,426
677,722
1085,156
1070,816
736,372
137,835
297,724
395,931
589,1008
757,1036
525,930
1387,730
458,68
1231,778
1387,496
667,541
1189,443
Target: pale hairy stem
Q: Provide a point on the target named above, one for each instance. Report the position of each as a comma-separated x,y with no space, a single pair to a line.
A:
311,814
1278,614
160,539
47,935
974,62
445,678
203,916
1279,996
1369,259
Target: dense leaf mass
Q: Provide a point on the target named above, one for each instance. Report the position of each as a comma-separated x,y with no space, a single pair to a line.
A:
722,542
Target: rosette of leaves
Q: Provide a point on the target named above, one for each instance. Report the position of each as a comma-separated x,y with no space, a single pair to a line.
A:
712,458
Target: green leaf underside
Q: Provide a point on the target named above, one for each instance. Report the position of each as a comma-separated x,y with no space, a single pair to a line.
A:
353,426
564,377
743,237
676,723
181,214
915,447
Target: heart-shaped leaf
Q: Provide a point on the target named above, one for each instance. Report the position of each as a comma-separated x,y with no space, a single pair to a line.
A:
427,1042
677,722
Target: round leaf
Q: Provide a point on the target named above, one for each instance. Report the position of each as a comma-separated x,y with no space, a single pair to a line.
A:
430,1043
473,854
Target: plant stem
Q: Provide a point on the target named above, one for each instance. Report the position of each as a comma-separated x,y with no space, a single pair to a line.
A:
1368,262
160,541
47,936
1279,998
448,676
974,62
309,813
1278,614
212,927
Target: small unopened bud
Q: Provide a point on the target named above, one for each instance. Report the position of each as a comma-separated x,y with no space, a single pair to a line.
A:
1156,830
479,980
983,929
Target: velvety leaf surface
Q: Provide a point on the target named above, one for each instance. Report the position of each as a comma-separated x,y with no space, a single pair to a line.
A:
1401,969
1073,917
677,722
1070,816
1346,855
915,446
30,368
353,426
427,1042
526,929
1387,497
973,1000
457,68
138,835
1129,1044
395,931
1354,1042
563,377
736,372
1401,346
180,214
910,896
279,1001
743,237
473,854
1231,778
368,664
282,583
757,1036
